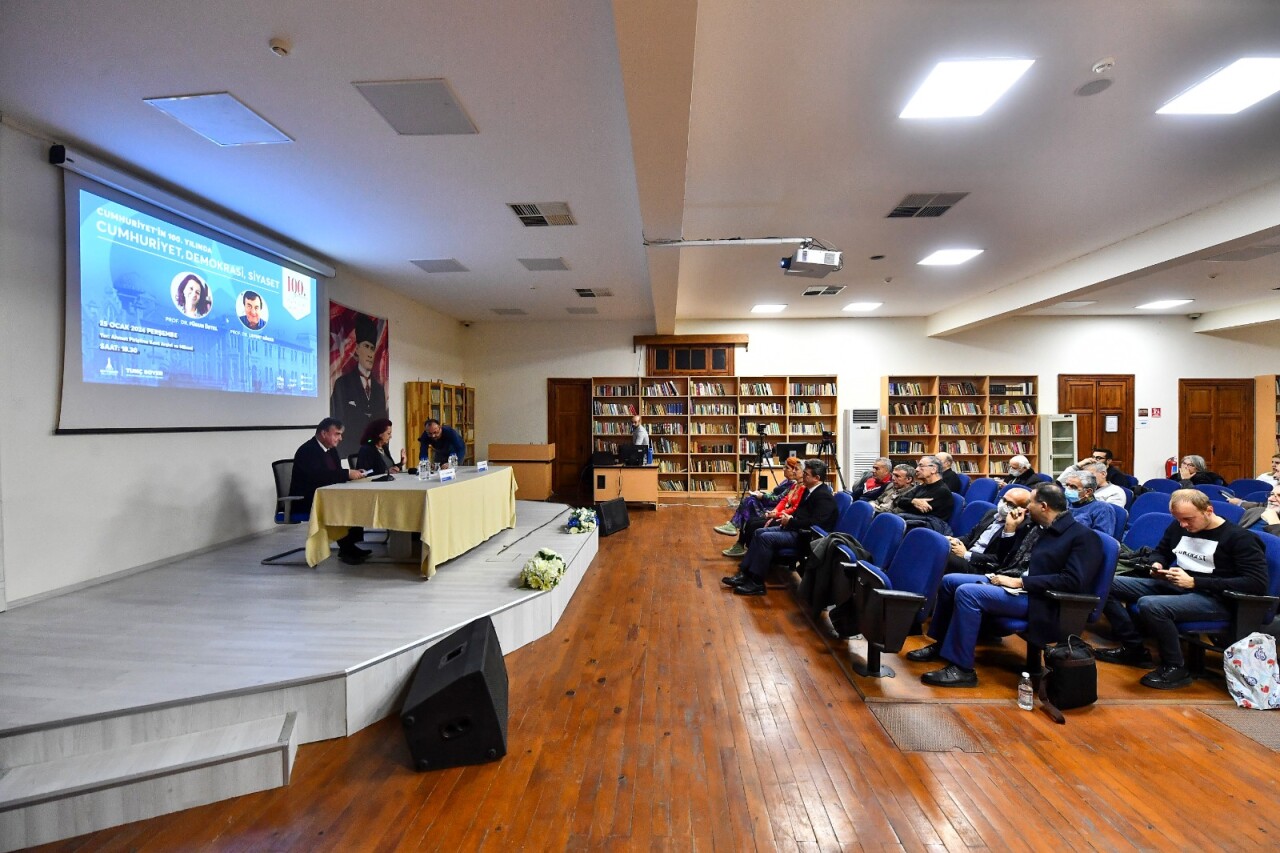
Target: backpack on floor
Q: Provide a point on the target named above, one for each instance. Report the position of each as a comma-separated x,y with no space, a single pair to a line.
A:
1253,678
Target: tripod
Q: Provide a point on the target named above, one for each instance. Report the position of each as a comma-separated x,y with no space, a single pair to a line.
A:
765,452
828,446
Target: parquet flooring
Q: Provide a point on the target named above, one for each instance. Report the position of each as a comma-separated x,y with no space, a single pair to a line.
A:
667,714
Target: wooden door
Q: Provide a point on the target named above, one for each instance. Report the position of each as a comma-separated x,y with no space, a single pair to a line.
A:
1092,399
1215,420
569,428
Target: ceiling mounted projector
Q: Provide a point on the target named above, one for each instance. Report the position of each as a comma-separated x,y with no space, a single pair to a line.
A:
812,263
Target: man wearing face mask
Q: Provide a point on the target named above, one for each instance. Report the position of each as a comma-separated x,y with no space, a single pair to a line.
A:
1094,514
993,543
1020,473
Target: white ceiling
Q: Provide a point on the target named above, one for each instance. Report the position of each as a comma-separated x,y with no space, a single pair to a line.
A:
697,119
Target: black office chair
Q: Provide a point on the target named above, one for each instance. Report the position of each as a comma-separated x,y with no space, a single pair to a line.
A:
351,460
283,471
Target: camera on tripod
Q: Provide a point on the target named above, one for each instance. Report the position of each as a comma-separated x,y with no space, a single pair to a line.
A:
762,428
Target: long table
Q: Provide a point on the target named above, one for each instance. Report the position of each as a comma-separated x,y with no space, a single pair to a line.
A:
451,517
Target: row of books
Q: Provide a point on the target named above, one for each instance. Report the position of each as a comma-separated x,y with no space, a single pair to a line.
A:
906,447
615,409
611,428
1003,428
962,388
713,448
667,466
815,389
954,407
910,428
911,409
667,428
806,407
715,409
908,389
662,389
763,409
1014,407
960,446
755,389
808,429
615,391
670,485
714,466
666,445
1023,389
713,429
709,389
664,409
1010,448
960,428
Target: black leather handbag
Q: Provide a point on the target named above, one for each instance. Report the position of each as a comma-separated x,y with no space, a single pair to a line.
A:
1070,678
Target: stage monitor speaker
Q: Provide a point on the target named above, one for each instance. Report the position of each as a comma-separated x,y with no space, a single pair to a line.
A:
613,516
456,710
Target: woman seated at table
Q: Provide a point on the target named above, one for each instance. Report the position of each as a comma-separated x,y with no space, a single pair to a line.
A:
374,453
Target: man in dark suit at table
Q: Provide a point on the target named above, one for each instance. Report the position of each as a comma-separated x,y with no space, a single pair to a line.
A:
315,464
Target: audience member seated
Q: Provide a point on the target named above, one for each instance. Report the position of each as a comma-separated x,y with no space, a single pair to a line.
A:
950,477
1272,476
874,482
1264,517
755,504
374,454
1193,471
793,530
1020,472
902,479
1094,514
315,464
930,495
1106,491
1213,556
995,541
1065,556
1115,476
786,504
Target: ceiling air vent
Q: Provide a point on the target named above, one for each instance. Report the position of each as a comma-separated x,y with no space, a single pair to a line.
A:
824,290
439,265
923,205
543,264
583,310
592,292
541,213
509,312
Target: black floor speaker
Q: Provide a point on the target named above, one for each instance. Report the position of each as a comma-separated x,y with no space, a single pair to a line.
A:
456,710
613,516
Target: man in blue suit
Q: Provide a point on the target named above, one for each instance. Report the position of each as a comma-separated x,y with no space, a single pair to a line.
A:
1066,556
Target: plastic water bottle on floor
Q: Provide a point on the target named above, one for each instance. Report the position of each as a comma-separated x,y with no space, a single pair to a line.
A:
1026,695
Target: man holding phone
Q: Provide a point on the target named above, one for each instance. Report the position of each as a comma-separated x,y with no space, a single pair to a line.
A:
1213,556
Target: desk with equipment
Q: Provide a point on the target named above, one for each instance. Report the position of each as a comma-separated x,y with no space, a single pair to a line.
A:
451,517
632,483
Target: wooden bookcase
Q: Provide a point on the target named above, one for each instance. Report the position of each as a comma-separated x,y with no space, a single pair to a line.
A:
980,420
1266,427
452,405
703,428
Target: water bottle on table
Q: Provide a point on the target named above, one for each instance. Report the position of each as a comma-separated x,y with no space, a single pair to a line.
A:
453,460
424,469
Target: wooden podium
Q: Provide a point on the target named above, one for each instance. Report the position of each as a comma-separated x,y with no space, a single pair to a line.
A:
532,466
634,484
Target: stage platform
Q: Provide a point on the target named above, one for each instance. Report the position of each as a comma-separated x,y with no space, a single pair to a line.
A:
112,694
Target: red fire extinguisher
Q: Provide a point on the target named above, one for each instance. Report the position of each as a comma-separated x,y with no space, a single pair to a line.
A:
1171,466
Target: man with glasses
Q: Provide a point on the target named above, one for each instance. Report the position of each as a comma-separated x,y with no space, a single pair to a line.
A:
1066,556
930,495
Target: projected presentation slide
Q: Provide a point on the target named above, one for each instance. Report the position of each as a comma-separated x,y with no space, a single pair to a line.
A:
167,307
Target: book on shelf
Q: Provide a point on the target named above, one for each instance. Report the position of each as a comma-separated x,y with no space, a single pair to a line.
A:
813,389
962,389
615,391
1013,407
911,408
755,389
613,409
907,389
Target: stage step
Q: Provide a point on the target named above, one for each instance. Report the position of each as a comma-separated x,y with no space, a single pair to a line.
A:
85,791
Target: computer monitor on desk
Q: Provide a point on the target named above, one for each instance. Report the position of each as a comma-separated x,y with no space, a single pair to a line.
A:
633,455
786,450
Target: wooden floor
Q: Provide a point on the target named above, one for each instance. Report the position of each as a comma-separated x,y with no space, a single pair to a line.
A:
664,713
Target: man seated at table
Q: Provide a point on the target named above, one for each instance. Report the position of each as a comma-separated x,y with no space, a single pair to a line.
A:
817,507
1213,556
1066,557
442,441
315,464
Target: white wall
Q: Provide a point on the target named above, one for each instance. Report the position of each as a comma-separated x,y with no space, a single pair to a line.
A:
509,364
74,508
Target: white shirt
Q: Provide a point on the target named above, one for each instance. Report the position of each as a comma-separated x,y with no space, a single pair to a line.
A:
1112,494
1268,477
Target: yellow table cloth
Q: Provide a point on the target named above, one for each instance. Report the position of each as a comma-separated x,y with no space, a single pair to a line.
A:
451,517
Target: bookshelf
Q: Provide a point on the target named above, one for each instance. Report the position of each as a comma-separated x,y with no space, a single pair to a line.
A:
452,405
703,428
1266,429
980,420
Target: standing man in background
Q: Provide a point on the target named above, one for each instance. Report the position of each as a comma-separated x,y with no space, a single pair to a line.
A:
640,437
443,441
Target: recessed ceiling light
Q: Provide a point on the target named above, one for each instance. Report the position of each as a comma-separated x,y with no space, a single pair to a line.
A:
768,308
950,257
221,118
963,88
1161,304
862,306
1241,84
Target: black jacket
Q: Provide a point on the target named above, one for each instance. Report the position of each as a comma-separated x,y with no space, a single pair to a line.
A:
313,467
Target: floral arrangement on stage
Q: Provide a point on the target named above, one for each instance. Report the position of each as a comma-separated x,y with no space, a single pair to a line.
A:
581,520
543,570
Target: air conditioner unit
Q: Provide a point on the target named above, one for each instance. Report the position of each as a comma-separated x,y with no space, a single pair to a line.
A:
860,432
